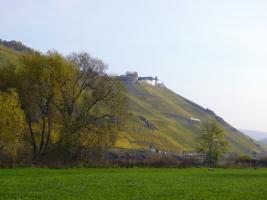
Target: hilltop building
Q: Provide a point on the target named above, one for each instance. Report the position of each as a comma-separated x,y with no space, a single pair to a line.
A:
149,80
133,77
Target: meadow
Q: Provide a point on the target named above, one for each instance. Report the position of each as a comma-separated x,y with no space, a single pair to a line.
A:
133,184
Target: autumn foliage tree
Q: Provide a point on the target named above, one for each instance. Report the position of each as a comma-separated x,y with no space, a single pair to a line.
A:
91,105
70,103
12,123
37,86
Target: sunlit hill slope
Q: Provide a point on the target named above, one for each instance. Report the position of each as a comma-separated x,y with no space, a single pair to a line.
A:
170,122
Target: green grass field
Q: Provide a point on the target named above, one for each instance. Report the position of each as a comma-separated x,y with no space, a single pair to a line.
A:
130,184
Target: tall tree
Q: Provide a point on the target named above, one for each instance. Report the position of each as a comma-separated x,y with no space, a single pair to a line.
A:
91,103
37,87
212,142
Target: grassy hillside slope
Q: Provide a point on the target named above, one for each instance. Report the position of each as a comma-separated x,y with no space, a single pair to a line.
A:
163,119
10,50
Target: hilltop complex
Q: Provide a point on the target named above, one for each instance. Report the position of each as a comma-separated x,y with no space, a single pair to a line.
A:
133,77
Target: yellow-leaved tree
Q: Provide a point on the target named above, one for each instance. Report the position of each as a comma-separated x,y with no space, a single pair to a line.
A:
12,123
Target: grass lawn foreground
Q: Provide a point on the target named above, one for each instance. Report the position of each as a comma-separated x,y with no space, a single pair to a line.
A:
133,184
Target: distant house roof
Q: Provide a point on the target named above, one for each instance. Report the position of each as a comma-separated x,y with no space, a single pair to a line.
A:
146,78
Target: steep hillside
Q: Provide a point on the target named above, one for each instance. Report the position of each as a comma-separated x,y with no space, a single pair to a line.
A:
10,58
10,51
7,56
159,117
171,122
16,46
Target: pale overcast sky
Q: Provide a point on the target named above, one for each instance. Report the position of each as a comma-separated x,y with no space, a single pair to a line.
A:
213,52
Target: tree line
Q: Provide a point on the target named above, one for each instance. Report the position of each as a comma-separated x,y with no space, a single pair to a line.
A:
55,107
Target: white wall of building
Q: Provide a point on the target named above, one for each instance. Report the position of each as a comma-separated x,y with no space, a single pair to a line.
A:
150,82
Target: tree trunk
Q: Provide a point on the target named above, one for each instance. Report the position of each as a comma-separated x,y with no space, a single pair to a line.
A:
47,137
32,137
